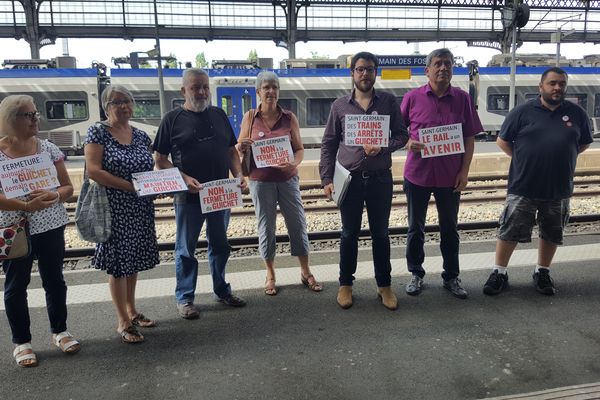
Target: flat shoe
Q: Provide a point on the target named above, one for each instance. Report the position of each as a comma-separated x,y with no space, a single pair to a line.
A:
143,322
70,347
24,357
311,283
131,335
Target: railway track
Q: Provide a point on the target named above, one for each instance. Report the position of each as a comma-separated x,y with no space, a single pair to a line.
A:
252,241
315,202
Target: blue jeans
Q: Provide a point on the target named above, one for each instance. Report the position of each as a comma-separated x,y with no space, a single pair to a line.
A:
189,220
49,248
446,201
376,192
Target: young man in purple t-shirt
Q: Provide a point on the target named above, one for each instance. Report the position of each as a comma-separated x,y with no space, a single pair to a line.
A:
442,124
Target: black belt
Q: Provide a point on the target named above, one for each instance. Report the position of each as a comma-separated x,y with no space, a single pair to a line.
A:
368,174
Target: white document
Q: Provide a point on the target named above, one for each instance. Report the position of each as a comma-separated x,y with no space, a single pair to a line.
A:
442,140
21,176
157,182
341,181
367,129
220,195
273,151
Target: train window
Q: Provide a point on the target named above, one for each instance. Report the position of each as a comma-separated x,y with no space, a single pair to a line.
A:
177,103
246,103
399,98
146,108
578,98
497,102
529,96
66,109
597,105
318,111
289,104
227,105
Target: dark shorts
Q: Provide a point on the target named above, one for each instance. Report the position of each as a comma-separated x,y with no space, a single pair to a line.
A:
520,214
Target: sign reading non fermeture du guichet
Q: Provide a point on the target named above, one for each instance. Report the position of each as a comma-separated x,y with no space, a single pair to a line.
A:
273,151
23,175
220,195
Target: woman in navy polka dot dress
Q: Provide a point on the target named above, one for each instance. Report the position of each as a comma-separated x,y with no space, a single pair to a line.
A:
113,151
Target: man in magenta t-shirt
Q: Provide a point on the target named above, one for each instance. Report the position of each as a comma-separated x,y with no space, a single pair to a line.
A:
442,123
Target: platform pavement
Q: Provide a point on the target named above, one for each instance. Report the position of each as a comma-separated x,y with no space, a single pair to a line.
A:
301,345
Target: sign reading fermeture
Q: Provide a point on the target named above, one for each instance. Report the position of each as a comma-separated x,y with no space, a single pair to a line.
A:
273,151
158,182
21,176
220,195
364,129
441,140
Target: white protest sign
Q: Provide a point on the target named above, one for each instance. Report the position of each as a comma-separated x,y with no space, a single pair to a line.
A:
272,151
156,182
21,176
363,129
220,195
441,140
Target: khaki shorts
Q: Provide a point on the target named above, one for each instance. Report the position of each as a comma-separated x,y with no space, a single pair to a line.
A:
521,213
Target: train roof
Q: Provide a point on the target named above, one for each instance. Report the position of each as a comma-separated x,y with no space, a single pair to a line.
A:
50,73
299,72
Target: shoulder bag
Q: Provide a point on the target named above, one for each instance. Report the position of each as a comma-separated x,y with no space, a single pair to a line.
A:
92,215
247,159
14,240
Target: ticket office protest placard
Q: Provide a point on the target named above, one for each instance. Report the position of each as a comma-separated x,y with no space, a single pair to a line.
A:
220,195
151,183
273,151
363,129
21,176
441,140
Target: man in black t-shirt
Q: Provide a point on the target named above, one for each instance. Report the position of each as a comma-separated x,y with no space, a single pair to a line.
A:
201,143
544,137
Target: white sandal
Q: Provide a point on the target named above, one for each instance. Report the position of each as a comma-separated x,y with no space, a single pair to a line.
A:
20,358
71,347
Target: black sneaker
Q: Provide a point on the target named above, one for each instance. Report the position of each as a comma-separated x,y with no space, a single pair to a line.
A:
453,285
543,282
495,284
232,301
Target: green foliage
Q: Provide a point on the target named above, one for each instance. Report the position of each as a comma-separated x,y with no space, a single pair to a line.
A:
315,54
252,56
201,61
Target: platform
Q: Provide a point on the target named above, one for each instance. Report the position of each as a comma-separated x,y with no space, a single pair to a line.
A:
301,345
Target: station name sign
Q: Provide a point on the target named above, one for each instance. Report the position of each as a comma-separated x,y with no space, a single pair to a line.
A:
402,61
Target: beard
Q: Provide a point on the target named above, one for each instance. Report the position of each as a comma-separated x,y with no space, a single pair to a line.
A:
364,86
552,101
198,105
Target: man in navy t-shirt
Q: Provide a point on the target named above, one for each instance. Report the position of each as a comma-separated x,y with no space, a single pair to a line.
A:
201,143
544,137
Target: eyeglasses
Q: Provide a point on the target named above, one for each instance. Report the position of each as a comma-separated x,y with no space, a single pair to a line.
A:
362,70
119,102
32,115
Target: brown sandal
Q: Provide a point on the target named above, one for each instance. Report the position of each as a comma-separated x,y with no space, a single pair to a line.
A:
311,283
270,288
131,335
143,322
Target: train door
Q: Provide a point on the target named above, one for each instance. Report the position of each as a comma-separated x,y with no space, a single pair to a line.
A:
236,101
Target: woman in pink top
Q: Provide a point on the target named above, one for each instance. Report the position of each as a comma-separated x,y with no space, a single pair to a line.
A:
277,184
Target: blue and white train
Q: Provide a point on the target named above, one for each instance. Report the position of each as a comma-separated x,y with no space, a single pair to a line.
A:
68,99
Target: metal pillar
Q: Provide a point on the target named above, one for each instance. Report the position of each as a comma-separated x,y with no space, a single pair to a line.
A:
161,84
